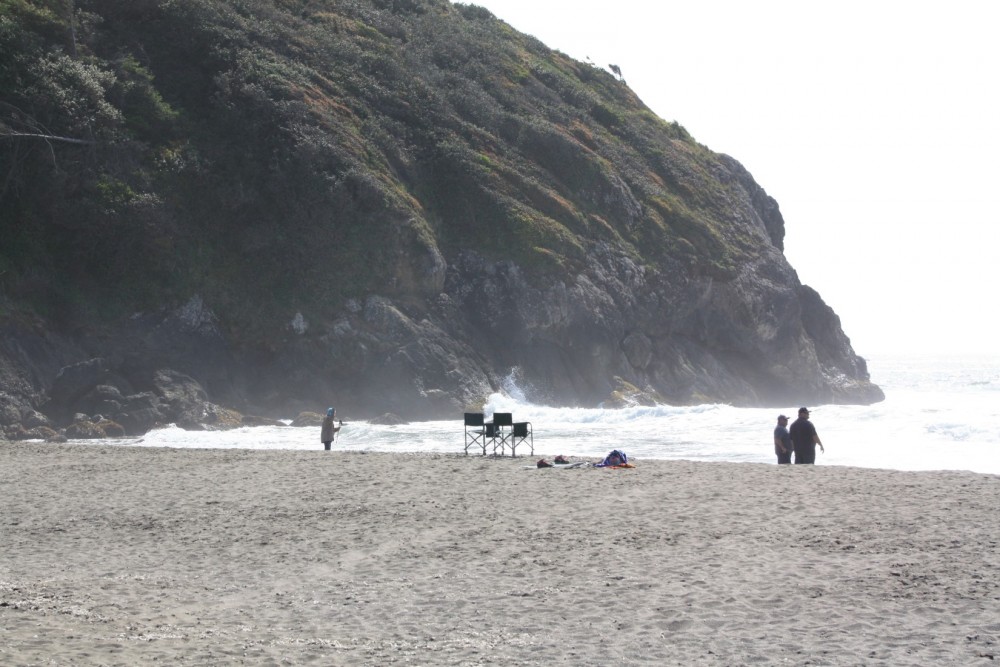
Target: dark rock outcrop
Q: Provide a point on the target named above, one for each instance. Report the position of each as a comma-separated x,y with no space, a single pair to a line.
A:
95,397
86,429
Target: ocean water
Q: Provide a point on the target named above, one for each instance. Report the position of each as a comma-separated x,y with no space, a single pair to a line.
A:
940,413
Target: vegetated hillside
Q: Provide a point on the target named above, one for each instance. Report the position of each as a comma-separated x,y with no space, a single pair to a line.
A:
387,203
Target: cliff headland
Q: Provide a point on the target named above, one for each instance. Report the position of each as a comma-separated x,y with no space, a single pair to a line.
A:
214,209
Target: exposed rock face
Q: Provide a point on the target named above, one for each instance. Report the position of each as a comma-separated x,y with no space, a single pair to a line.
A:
30,358
614,331
96,397
86,429
760,338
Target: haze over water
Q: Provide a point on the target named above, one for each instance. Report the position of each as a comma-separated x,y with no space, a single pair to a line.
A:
940,413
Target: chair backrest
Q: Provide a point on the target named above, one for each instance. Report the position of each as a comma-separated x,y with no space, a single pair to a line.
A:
503,418
473,418
521,429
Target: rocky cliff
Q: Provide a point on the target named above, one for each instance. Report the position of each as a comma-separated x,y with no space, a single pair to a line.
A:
387,205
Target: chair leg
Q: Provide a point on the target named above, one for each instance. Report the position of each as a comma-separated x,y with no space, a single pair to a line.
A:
475,440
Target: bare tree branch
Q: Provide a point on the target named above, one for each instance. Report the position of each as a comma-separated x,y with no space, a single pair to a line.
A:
49,137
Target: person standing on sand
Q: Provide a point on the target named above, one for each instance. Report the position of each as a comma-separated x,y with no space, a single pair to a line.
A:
805,438
782,441
329,430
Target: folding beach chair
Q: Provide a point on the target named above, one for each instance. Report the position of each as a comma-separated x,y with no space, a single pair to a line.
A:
520,433
476,437
502,425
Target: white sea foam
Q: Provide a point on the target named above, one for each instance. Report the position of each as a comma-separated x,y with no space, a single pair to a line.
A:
939,414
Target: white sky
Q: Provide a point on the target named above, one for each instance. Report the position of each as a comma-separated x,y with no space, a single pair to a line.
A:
875,125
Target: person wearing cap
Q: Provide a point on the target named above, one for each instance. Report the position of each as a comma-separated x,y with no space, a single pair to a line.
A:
805,438
782,441
329,430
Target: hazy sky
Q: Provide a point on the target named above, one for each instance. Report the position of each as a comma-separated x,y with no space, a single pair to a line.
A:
875,125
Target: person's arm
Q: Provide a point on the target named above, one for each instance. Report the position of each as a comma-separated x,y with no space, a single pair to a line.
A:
780,445
818,442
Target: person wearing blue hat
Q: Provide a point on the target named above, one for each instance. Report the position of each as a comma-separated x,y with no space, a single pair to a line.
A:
329,431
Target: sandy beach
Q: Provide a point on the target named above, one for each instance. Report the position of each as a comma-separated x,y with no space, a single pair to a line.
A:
125,556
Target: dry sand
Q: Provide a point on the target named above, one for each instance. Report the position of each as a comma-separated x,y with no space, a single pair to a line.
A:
125,556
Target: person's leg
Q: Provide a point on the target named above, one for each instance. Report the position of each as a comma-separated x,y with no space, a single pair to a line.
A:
785,458
326,445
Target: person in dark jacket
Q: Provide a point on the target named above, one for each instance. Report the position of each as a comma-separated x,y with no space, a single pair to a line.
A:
329,431
805,438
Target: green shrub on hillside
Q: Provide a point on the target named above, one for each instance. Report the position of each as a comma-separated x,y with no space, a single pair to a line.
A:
266,152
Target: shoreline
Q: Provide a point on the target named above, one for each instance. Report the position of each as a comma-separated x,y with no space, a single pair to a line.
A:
126,555
344,446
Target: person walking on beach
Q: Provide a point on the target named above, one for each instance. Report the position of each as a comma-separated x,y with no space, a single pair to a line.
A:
782,440
805,438
329,430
